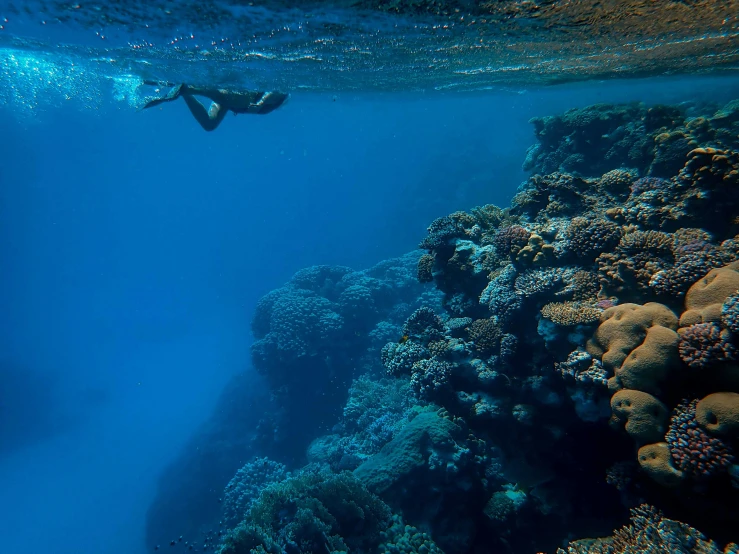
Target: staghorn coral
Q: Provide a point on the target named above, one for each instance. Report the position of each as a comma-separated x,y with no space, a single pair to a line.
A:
570,313
692,449
638,344
642,415
703,345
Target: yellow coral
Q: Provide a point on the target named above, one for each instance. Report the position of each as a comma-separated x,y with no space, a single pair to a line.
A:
642,415
656,462
570,313
719,413
704,299
638,344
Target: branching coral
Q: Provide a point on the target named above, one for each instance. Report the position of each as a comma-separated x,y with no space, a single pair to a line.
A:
485,333
691,448
425,324
312,512
398,358
425,268
508,241
649,532
704,344
570,313
586,238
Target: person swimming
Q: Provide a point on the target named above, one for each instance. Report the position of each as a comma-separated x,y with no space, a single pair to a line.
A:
222,101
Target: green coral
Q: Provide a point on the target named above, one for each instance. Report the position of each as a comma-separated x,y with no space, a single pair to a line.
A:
315,511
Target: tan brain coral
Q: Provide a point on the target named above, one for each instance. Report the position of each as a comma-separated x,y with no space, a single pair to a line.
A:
638,344
718,413
704,299
642,415
656,462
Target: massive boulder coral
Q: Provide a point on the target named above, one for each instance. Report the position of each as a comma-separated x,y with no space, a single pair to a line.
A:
705,299
643,416
656,461
718,413
638,344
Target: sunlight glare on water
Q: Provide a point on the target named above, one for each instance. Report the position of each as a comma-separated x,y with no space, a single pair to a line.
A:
383,45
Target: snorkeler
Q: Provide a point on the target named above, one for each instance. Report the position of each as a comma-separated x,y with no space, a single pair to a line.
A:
222,102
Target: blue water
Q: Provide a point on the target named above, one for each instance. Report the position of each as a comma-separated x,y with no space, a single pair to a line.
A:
135,247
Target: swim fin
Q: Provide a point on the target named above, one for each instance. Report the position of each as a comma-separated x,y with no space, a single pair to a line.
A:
173,94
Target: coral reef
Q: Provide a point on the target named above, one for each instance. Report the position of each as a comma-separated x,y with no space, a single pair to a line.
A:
648,531
534,372
311,512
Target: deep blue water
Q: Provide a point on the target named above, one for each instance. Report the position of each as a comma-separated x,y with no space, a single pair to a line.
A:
135,246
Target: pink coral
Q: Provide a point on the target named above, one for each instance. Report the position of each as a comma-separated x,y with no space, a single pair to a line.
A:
704,344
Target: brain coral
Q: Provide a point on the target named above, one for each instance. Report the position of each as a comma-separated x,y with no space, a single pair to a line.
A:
638,344
641,414
656,462
704,300
719,413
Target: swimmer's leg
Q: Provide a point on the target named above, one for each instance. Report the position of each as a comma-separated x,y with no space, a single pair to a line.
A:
173,94
209,119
